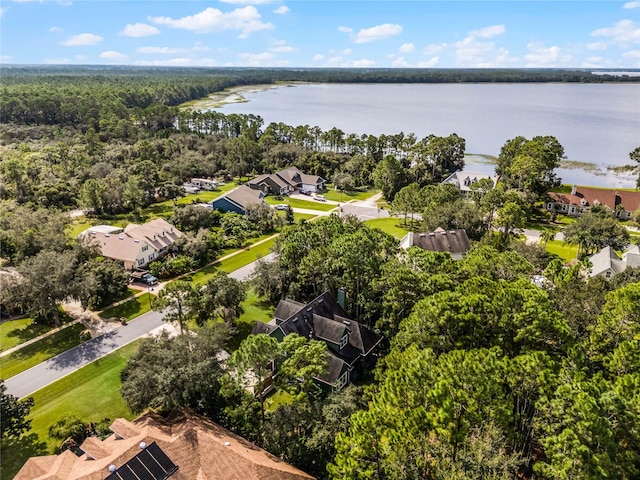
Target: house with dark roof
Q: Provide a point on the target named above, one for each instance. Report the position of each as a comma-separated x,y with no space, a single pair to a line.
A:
186,447
621,203
237,200
454,242
287,181
350,345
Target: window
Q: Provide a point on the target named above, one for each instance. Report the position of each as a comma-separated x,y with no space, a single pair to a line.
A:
140,262
342,381
608,274
344,340
145,248
573,209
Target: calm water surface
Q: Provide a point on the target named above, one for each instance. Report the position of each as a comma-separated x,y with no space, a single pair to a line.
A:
596,123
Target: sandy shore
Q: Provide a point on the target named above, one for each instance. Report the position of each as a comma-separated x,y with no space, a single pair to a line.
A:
233,95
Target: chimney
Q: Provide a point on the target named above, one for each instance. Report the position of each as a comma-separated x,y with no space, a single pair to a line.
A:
574,189
342,298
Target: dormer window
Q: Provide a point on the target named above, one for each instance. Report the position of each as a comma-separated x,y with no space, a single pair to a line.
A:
344,340
342,381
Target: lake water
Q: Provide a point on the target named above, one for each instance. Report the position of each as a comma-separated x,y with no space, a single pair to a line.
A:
598,124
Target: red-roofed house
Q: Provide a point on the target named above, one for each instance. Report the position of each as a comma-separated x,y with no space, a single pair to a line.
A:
622,203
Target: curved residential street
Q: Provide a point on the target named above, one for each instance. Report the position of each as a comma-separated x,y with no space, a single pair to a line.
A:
55,368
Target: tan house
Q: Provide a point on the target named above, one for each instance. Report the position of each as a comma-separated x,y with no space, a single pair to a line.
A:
188,447
137,245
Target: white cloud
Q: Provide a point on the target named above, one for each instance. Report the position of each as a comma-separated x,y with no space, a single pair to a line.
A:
597,46
81,58
3,10
283,49
159,50
631,5
541,56
363,63
318,57
379,32
624,32
281,10
55,29
138,30
81,40
429,63
345,29
347,51
260,60
113,55
400,62
246,2
5,58
246,20
592,62
407,47
434,48
488,32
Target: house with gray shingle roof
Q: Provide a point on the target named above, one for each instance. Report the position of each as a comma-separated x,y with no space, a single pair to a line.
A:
286,182
237,200
606,263
454,242
350,345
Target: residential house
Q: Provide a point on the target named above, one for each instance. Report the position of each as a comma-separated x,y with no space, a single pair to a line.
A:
464,180
204,183
286,182
621,203
187,447
350,345
237,200
606,263
454,242
137,245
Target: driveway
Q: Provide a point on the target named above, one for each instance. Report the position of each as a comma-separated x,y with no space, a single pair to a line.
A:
243,273
364,211
55,368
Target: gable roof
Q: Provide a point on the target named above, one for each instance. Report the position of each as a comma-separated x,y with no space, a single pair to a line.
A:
242,196
200,449
158,232
324,319
464,179
455,242
589,196
606,259
119,246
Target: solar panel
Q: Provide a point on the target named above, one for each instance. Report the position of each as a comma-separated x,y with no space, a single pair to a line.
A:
150,464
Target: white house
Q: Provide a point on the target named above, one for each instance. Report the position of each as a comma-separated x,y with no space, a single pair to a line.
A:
606,263
464,179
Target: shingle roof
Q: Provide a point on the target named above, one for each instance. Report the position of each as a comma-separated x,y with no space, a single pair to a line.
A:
463,179
453,241
286,308
158,232
606,259
201,449
119,246
592,196
243,196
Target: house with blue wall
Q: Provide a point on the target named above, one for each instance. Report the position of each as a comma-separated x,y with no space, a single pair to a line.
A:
237,200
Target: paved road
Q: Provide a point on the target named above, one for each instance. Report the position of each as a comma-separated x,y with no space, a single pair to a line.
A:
243,273
47,372
364,212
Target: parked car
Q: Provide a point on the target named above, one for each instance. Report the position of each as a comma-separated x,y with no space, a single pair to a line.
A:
305,192
149,279
320,198
282,206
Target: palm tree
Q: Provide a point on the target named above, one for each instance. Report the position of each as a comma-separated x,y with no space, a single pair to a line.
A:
547,235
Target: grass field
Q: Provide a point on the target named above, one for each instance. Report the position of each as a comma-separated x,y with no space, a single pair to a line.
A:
307,204
92,393
563,250
39,351
15,332
255,309
336,196
235,262
130,309
392,226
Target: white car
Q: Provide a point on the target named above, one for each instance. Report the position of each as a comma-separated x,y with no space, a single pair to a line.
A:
320,198
282,206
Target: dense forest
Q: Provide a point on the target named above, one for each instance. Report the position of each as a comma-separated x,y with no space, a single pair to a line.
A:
483,374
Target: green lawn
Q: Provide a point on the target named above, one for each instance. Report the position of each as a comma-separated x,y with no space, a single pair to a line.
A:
92,393
336,196
255,309
130,309
235,262
563,250
307,204
15,332
277,399
39,351
392,226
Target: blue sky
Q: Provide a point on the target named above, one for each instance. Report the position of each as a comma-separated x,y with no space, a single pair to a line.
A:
307,33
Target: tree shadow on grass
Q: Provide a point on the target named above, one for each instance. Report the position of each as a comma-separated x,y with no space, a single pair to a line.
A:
14,453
